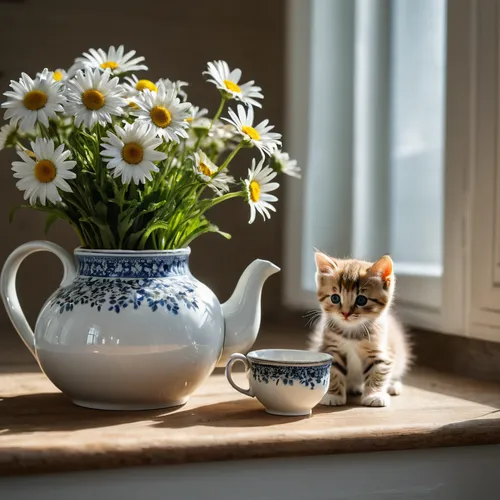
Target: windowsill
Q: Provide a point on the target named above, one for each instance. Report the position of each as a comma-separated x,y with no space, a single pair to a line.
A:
41,431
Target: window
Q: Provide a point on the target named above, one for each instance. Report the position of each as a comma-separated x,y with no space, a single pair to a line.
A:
388,102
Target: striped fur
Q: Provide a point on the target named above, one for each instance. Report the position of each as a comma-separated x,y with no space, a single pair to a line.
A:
369,347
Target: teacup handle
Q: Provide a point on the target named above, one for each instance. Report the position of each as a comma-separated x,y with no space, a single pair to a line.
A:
229,373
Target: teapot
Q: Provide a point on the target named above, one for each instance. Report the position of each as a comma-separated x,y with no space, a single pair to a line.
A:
134,330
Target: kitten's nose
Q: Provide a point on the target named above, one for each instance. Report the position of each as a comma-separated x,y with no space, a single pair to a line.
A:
346,314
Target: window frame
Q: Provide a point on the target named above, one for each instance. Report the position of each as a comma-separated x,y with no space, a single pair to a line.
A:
463,46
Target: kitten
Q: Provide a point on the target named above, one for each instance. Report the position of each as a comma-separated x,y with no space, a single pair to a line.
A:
370,350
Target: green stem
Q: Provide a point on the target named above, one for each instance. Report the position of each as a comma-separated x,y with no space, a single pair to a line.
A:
44,132
170,150
216,117
218,113
220,199
229,158
79,233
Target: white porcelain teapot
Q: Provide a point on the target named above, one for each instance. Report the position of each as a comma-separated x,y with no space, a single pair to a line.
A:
130,330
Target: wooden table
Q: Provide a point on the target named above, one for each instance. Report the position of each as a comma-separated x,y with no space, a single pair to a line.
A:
43,432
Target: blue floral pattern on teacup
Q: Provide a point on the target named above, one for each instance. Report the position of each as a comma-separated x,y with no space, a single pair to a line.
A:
308,376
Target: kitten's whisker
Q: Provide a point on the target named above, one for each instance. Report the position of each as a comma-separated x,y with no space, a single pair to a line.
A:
312,312
313,318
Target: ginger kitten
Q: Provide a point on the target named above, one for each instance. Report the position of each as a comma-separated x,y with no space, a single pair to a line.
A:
369,347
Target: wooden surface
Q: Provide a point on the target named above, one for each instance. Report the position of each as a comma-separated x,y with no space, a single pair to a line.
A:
41,431
474,358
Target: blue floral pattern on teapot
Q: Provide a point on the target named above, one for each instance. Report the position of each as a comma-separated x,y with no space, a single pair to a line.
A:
114,284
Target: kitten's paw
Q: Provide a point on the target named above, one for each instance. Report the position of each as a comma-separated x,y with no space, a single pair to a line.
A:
378,399
395,388
333,400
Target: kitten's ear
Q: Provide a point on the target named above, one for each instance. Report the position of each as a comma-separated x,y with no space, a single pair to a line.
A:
383,267
325,265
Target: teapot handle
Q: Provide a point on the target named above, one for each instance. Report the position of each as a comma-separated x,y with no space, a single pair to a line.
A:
8,284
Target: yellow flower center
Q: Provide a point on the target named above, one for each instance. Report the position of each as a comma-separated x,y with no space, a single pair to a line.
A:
45,171
93,99
145,84
133,153
232,86
205,170
189,119
133,105
109,64
254,191
160,116
58,76
251,132
36,99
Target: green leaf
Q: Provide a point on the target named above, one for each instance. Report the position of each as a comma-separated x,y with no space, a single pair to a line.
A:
209,228
107,236
101,210
13,211
51,218
225,235
132,241
154,227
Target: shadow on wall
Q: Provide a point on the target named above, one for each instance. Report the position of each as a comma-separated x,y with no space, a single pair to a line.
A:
177,42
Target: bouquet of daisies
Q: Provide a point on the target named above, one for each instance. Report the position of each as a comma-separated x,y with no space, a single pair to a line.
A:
129,162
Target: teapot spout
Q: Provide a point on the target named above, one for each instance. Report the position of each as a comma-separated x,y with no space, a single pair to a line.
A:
242,310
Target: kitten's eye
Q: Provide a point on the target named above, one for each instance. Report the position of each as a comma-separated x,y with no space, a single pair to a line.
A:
335,298
361,300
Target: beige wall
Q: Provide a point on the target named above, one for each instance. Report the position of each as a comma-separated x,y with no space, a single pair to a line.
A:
178,38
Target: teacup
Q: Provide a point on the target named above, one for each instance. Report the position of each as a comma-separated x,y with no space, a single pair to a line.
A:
288,382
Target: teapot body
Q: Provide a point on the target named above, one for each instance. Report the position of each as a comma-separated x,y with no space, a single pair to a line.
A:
132,330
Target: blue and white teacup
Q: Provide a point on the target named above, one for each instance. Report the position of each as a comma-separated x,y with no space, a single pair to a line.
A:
287,382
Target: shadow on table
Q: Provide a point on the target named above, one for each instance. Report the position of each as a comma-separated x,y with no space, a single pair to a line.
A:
242,413
54,412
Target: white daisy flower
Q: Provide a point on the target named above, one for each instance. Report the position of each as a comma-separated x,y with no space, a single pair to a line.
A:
282,163
113,60
227,82
93,97
259,136
7,136
258,187
205,169
164,112
133,86
224,132
58,75
32,101
130,152
42,176
177,86
222,136
197,114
